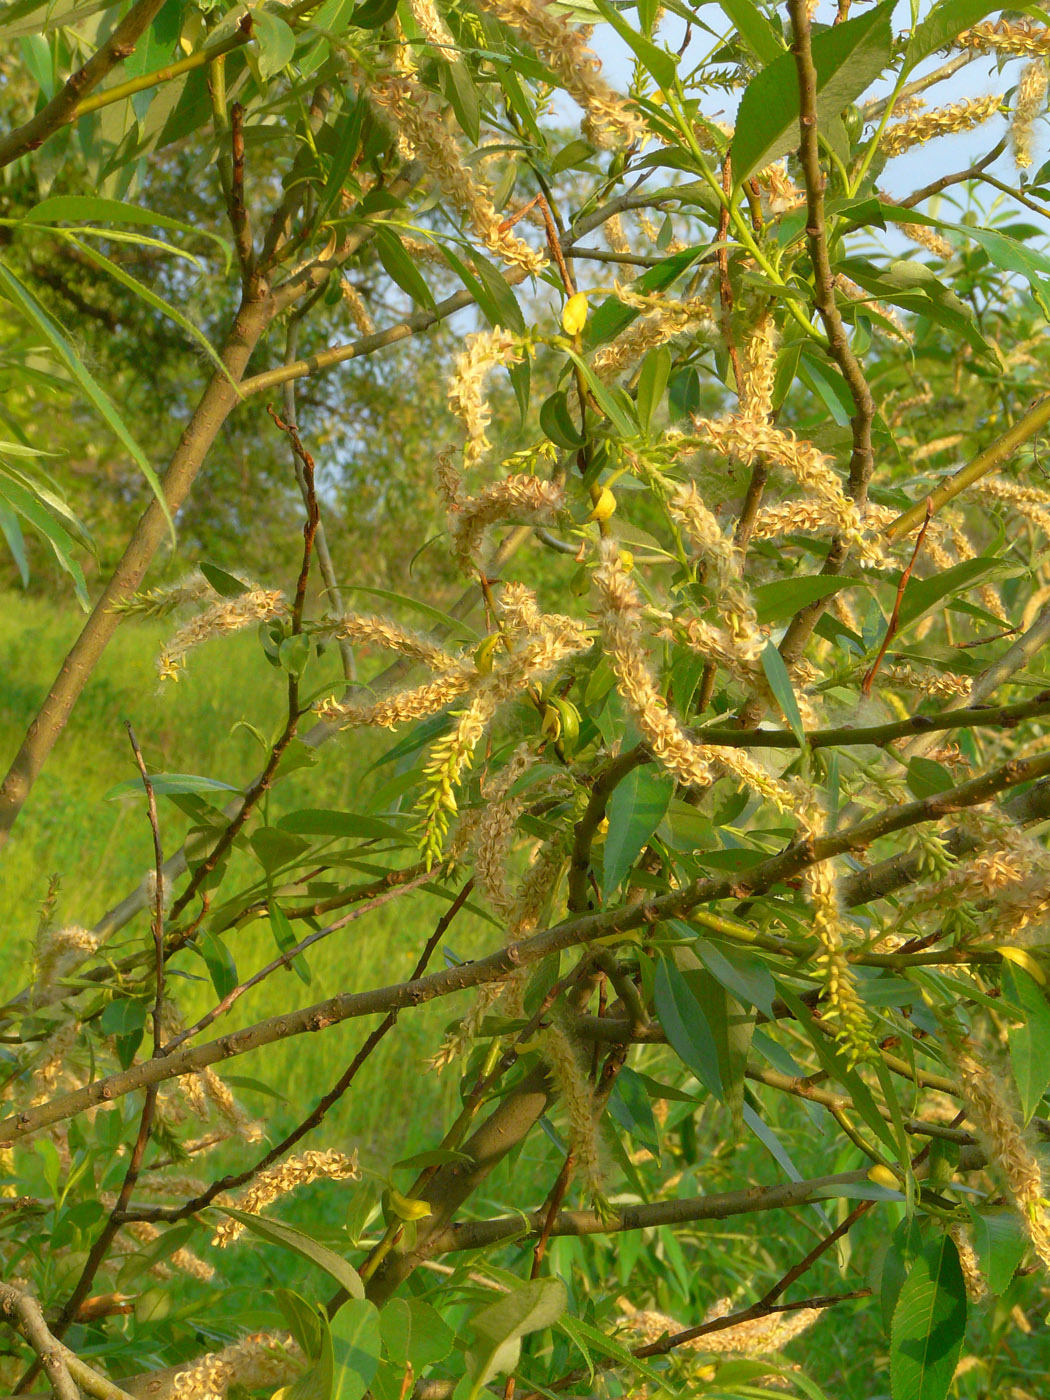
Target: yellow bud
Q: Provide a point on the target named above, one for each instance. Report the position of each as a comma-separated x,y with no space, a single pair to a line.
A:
882,1176
604,505
484,652
574,314
627,559
405,1208
1025,961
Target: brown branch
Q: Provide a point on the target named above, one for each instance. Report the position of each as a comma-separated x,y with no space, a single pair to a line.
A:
239,220
891,629
29,1323
957,178
62,108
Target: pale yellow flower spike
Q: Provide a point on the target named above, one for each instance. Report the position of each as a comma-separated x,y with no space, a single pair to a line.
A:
425,14
521,498
756,1337
1030,101
844,1010
760,369
1006,36
608,121
466,389
688,762
941,121
262,1360
423,130
995,1122
221,618
277,1180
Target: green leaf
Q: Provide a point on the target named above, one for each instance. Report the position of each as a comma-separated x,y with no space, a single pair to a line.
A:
613,316
1029,1042
219,961
929,1324
657,62
629,1105
921,594
373,14
12,533
636,809
76,208
356,1348
945,20
165,784
783,691
400,267
274,42
284,937
1000,1241
686,1026
316,821
28,504
414,1333
755,30
151,298
558,424
605,399
652,383
274,847
787,596
226,585
741,972
848,58
499,1328
52,332
443,619
275,1232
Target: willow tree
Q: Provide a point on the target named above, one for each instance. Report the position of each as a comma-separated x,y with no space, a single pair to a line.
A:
734,742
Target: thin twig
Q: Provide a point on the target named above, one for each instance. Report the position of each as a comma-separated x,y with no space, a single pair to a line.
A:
891,628
29,1323
158,898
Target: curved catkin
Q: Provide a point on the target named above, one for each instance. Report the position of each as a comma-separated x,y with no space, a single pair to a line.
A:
257,1361
1006,36
485,350
756,1337
929,239
221,618
997,1125
495,830
941,121
277,1180
973,1279
608,121
576,1093
1031,99
844,1010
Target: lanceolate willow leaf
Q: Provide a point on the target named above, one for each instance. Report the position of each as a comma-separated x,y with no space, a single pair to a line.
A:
26,302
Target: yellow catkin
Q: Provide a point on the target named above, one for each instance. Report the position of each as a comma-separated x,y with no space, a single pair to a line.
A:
495,830
757,1337
283,1177
575,1091
1005,1143
844,1010
425,14
524,499
422,127
1030,101
780,191
1006,36
661,321
973,1279
942,686
466,398
929,239
261,1360
940,121
759,370
58,952
850,290
405,705
608,121
380,631
747,440
219,1096
359,312
685,760
221,618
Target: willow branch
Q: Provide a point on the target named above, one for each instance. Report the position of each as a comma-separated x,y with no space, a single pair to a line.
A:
62,108
26,1317
570,933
